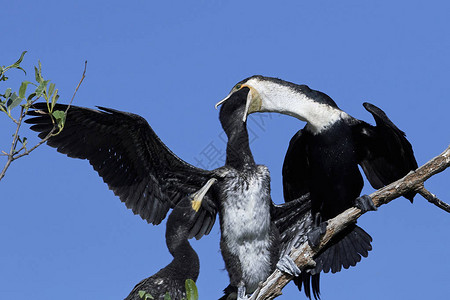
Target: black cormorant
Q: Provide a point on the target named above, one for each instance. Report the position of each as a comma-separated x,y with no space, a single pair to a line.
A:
185,264
322,159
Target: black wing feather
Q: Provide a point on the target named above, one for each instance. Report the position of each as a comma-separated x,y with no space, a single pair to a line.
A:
384,152
122,147
295,179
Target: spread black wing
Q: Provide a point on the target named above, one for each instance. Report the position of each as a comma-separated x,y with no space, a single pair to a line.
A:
384,152
129,156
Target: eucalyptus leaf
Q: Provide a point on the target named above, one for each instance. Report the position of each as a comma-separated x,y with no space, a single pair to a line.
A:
191,289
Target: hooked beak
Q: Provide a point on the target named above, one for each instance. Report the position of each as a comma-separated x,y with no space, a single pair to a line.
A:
252,105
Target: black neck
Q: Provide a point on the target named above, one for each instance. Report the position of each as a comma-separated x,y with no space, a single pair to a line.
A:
239,155
185,261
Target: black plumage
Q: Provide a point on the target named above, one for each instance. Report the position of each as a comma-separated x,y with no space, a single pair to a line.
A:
185,264
146,175
322,160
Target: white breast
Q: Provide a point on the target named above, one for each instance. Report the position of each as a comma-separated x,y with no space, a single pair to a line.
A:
246,224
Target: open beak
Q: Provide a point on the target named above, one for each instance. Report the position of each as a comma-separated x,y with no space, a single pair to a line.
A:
252,105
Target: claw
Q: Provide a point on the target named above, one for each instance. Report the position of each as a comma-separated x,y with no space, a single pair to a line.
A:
315,234
365,203
241,293
287,265
198,196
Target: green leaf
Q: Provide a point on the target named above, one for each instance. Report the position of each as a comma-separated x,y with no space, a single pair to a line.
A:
17,63
54,98
41,88
60,118
38,74
31,96
7,93
13,101
191,289
141,294
167,296
23,89
51,88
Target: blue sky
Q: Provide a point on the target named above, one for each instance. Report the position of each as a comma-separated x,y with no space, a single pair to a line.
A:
65,235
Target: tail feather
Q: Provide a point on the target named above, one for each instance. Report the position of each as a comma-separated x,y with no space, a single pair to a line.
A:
309,283
345,250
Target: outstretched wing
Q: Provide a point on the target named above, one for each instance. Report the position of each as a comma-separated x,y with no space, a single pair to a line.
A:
128,155
384,153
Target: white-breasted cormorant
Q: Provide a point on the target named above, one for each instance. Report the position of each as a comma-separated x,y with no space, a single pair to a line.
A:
255,231
322,159
185,264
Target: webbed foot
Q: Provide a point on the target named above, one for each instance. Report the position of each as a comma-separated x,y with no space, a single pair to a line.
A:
241,293
365,203
287,265
316,233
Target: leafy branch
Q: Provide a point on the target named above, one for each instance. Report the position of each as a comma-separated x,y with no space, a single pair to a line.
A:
9,101
303,256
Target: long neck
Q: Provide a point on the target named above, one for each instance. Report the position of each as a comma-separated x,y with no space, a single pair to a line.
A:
185,261
239,155
313,107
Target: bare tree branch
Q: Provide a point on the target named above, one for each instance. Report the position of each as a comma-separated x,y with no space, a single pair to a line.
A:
413,181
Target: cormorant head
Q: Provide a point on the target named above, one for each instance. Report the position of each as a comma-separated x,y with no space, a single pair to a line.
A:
233,111
267,94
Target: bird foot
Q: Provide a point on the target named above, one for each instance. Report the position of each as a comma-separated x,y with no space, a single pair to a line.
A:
198,196
287,265
241,293
316,233
365,203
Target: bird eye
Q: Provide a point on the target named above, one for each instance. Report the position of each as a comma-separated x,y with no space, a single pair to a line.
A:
238,86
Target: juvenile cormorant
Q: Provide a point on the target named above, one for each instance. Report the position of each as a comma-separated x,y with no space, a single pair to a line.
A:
185,264
254,230
323,159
